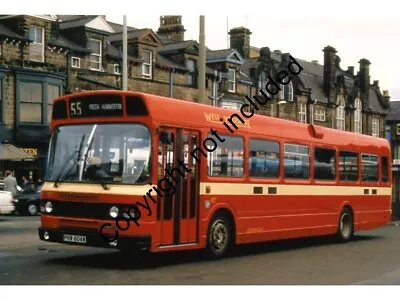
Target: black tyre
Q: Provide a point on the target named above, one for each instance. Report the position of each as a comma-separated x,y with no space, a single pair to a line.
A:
346,226
219,237
32,209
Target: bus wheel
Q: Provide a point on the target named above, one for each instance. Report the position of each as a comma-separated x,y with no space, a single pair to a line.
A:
218,237
346,226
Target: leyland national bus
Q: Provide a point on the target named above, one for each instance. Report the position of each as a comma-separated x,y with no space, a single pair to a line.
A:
198,176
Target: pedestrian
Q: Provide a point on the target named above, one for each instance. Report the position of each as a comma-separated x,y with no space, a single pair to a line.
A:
25,184
10,183
38,183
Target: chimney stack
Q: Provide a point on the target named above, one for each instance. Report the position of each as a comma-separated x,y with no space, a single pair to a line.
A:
171,26
376,83
364,75
350,70
386,97
329,72
240,40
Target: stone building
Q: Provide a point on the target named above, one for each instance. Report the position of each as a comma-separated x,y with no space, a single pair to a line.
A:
45,56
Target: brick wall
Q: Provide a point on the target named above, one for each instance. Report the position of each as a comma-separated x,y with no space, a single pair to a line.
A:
9,52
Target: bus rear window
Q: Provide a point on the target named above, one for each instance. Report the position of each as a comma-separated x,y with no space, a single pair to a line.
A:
385,171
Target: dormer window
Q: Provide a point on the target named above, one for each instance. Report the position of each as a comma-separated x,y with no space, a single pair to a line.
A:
286,92
262,81
147,57
95,56
232,80
36,48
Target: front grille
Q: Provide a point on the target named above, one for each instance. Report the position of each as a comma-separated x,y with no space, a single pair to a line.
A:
98,211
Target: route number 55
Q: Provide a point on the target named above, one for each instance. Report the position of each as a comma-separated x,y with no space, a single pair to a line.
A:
76,109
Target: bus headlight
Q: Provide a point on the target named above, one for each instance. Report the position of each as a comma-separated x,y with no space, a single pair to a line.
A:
114,212
48,207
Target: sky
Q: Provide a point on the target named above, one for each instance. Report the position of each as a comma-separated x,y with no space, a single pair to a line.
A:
356,29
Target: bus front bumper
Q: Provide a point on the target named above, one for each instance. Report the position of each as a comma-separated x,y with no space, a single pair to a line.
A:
94,239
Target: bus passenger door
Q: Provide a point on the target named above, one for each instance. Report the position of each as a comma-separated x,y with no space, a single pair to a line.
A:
177,208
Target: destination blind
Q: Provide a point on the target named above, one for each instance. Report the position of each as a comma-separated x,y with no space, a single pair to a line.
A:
96,106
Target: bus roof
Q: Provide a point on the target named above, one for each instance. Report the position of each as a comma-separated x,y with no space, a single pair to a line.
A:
173,112
167,110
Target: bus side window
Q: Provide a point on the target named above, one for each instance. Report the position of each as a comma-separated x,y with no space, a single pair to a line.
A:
348,166
324,164
369,167
227,159
297,161
385,169
263,158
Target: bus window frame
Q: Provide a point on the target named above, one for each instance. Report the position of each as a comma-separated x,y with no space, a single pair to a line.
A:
308,180
264,139
350,182
325,181
378,182
244,177
147,126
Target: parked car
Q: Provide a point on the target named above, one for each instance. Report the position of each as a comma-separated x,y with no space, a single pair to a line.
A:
28,202
6,203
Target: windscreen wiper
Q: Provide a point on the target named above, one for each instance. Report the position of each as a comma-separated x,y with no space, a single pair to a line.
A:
76,153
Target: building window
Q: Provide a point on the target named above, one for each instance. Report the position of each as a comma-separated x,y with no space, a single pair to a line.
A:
398,129
303,113
375,126
95,56
147,63
75,62
282,92
232,80
30,102
357,116
319,115
53,92
191,66
288,92
263,158
340,115
262,82
227,159
36,48
117,69
297,161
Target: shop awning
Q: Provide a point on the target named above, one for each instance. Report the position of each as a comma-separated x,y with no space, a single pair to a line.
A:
10,152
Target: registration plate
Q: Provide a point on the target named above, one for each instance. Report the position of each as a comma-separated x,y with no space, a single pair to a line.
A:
74,238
